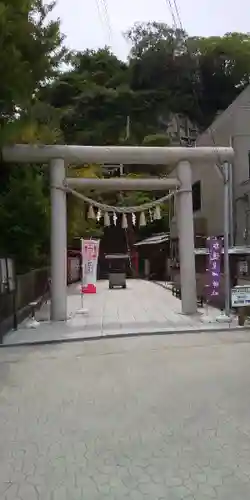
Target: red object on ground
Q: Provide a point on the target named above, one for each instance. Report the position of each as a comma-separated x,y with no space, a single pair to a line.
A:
135,261
88,289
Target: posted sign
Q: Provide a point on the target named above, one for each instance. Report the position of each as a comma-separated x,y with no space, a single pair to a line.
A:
214,246
240,296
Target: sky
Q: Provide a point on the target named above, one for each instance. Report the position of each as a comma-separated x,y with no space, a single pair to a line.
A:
87,24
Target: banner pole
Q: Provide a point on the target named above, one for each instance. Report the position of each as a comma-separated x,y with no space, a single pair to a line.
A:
82,310
227,284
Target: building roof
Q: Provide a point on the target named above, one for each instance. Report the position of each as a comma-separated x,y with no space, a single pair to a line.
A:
154,240
219,121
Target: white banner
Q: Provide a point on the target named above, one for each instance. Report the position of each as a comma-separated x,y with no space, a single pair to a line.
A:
90,254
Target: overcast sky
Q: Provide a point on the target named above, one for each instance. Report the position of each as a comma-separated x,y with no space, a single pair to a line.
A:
86,26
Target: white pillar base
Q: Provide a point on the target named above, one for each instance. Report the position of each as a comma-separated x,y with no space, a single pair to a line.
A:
224,318
82,311
32,323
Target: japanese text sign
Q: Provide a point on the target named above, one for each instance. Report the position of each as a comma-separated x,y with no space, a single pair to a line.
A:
214,246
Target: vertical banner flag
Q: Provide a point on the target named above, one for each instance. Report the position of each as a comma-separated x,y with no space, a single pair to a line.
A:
90,254
214,246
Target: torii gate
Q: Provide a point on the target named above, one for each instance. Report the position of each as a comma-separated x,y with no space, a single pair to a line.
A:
60,155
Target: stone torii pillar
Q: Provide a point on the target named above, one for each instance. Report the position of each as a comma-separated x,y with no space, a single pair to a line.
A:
185,224
58,241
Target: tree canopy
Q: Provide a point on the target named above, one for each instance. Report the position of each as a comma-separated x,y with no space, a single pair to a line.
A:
97,99
196,76
31,49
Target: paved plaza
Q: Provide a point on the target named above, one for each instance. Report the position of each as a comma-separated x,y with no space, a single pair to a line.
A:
143,307
143,418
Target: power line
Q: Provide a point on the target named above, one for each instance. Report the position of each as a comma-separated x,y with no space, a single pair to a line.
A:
172,12
178,13
106,17
99,11
222,171
175,12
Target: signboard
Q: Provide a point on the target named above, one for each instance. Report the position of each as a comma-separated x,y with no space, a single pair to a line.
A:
243,267
240,296
214,266
90,253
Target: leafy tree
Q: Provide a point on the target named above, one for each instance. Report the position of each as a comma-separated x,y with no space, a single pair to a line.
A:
79,225
188,75
101,67
24,219
223,70
94,97
161,67
154,36
155,140
31,50
89,103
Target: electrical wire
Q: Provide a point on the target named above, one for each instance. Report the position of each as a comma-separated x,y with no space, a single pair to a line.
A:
103,14
98,8
104,7
175,13
172,12
177,10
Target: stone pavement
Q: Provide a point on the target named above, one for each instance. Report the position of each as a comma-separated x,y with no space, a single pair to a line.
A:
144,307
152,418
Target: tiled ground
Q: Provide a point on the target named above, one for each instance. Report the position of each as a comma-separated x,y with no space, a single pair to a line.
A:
143,307
153,418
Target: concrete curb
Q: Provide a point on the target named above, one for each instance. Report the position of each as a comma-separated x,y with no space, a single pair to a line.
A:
111,336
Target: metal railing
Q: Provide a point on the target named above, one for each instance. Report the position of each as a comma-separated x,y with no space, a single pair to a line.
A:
30,287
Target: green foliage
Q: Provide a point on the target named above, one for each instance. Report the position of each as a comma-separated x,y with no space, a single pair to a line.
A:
154,36
94,97
24,218
223,70
167,72
160,65
79,226
156,140
30,48
190,75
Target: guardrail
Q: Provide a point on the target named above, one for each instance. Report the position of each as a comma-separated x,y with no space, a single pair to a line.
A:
30,287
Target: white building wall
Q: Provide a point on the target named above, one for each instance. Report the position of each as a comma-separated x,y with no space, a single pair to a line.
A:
230,128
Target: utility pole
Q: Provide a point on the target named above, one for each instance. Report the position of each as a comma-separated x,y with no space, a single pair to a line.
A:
127,136
227,283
